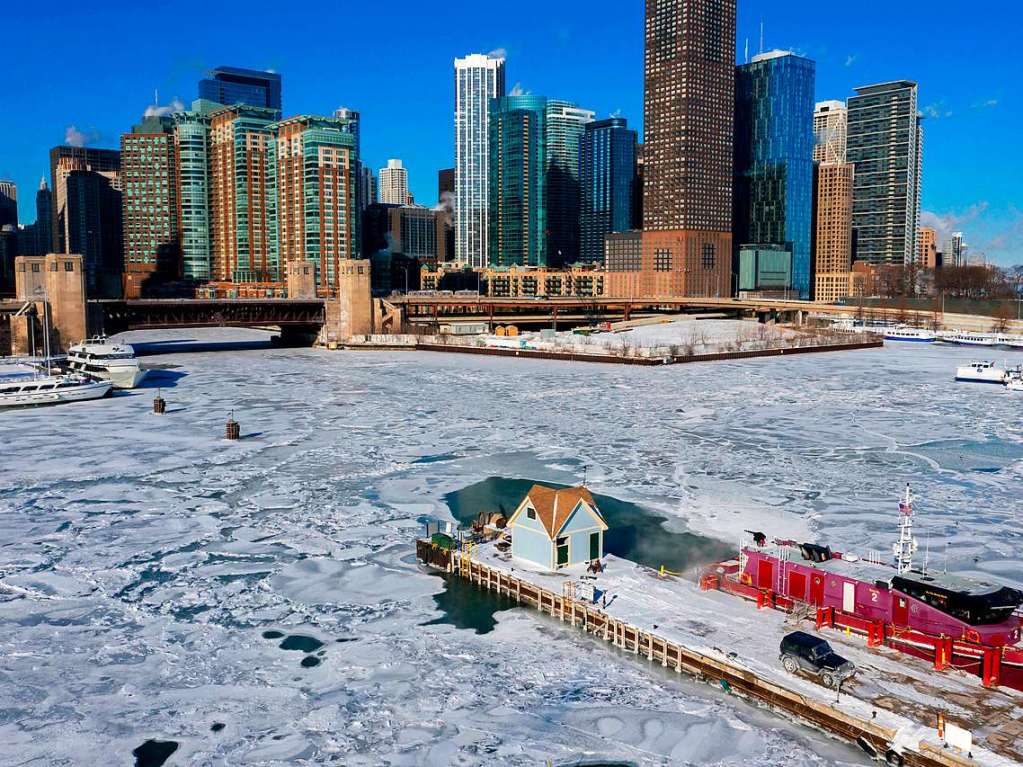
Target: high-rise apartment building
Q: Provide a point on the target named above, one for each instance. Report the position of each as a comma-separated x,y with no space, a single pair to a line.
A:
478,79
44,219
393,186
830,124
885,144
689,104
774,145
832,209
243,195
316,162
518,216
955,251
8,204
607,175
564,128
192,152
65,160
446,203
927,258
87,213
149,188
233,86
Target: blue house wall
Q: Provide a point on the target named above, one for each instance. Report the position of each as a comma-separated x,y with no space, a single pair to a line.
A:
578,529
530,541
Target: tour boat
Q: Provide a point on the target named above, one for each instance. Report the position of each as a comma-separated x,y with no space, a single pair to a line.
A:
981,372
968,339
906,333
113,362
49,390
956,621
1013,342
1014,378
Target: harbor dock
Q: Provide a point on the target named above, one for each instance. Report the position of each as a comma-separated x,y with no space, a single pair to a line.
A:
716,638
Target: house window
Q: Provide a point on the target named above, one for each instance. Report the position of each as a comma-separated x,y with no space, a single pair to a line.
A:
562,546
531,513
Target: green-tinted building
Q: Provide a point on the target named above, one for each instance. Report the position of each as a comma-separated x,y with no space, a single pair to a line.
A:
518,217
765,267
192,143
534,180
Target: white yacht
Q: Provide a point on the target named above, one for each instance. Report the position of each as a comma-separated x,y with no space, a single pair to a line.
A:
112,362
49,390
907,333
1013,342
968,339
981,372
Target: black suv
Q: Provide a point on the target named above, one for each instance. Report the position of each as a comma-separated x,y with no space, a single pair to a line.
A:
802,651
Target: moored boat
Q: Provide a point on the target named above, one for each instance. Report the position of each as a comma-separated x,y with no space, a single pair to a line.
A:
981,372
907,333
51,390
98,358
967,339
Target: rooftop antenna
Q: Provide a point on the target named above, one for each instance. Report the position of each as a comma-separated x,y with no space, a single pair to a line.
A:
585,467
906,545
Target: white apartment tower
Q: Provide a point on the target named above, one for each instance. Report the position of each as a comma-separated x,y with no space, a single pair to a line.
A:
830,126
393,188
478,78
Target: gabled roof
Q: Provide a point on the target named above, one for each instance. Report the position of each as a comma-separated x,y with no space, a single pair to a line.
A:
554,507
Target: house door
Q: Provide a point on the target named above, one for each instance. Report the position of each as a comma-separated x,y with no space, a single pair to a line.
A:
562,551
817,590
900,610
797,586
594,546
765,574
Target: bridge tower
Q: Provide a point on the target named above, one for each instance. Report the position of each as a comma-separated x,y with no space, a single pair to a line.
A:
59,280
351,312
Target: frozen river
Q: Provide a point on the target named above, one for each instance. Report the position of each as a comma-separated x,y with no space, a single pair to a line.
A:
255,602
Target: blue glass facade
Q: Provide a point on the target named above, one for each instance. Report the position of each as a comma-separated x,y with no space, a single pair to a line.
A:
774,140
231,85
607,173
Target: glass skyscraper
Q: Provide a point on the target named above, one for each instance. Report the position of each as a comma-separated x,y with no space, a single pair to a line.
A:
232,85
774,144
607,174
885,142
565,125
517,219
478,79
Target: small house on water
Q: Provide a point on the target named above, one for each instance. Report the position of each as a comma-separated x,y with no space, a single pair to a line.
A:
557,528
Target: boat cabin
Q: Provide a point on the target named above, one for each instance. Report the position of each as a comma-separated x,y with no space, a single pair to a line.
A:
554,528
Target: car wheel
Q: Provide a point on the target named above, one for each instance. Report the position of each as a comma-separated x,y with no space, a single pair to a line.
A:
790,664
827,680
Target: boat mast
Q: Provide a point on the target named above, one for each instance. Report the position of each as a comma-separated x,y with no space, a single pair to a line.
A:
906,546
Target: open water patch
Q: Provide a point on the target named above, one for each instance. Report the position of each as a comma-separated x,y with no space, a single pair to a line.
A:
153,753
300,643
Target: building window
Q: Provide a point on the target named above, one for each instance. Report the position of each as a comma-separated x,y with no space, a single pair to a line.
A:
531,513
69,266
662,260
708,256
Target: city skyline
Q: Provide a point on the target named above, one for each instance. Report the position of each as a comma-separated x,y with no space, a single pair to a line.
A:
968,185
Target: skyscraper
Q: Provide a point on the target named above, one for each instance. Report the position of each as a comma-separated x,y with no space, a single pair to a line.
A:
955,251
316,163
830,125
44,219
351,122
518,215
833,189
927,258
884,143
63,161
243,196
87,213
774,145
192,148
689,91
564,129
149,185
393,188
8,204
607,173
478,79
232,86
446,202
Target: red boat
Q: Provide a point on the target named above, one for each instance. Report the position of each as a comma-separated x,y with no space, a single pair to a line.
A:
956,621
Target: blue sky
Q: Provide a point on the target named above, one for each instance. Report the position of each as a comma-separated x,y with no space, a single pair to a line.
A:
96,68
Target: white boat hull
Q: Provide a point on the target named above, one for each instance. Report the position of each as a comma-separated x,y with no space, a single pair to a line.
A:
972,375
92,390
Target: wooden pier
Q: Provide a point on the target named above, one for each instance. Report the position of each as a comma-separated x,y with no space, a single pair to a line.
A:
874,739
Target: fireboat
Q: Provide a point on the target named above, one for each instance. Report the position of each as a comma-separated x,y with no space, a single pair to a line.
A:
955,621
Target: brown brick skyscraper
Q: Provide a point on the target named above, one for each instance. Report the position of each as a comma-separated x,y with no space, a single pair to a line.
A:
689,103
